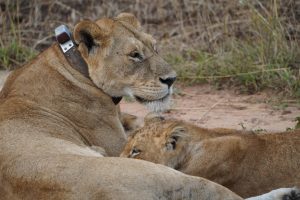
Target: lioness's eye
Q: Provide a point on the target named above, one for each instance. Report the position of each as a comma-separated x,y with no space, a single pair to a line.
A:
134,152
136,56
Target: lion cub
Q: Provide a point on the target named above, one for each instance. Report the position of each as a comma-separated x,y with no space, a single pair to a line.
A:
246,163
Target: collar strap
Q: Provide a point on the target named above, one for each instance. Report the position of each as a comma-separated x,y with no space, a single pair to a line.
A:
69,48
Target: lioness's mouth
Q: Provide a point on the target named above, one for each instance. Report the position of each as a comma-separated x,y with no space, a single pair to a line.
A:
142,100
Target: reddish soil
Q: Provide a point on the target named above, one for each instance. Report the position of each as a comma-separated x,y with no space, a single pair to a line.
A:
210,108
207,107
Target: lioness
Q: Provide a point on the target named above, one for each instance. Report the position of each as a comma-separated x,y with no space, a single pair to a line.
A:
246,163
54,113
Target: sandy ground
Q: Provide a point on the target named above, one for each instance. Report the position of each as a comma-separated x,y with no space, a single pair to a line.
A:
209,108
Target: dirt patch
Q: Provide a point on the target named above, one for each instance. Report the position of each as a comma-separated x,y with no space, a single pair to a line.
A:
207,107
210,108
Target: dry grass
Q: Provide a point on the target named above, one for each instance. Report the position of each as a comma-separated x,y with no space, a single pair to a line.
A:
224,42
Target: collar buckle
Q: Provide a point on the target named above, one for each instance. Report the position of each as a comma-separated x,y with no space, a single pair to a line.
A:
63,37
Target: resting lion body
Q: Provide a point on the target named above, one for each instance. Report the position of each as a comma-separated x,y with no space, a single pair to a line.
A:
53,121
248,164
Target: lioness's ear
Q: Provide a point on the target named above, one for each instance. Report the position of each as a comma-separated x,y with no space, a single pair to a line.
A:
176,134
153,117
130,19
88,33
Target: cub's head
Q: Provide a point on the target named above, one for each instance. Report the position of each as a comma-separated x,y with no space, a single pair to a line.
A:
160,141
180,145
123,60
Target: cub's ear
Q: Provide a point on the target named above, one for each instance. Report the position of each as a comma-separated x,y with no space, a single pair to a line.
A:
175,135
153,117
89,34
130,19
130,122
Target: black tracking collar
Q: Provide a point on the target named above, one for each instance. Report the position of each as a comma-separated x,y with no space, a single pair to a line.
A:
73,56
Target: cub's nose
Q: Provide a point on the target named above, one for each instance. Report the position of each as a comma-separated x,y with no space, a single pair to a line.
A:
169,81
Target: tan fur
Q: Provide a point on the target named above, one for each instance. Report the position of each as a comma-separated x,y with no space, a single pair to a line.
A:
246,163
55,123
130,122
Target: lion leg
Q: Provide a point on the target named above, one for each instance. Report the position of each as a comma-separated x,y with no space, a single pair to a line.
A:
43,167
81,177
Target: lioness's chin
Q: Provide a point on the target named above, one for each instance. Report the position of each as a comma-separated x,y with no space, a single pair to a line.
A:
156,105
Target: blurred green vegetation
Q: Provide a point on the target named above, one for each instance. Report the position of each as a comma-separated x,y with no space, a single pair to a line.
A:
269,60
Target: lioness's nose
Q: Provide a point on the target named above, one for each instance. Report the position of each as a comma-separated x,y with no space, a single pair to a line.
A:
169,81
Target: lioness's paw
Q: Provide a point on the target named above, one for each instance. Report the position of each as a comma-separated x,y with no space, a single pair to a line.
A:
279,194
293,195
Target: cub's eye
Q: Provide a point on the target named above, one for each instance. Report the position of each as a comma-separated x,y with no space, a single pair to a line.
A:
136,56
134,152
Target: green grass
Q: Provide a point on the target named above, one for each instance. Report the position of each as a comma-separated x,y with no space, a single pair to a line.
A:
267,59
241,66
13,51
14,54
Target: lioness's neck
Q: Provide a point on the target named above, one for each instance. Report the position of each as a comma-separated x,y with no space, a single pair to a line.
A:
50,82
50,78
